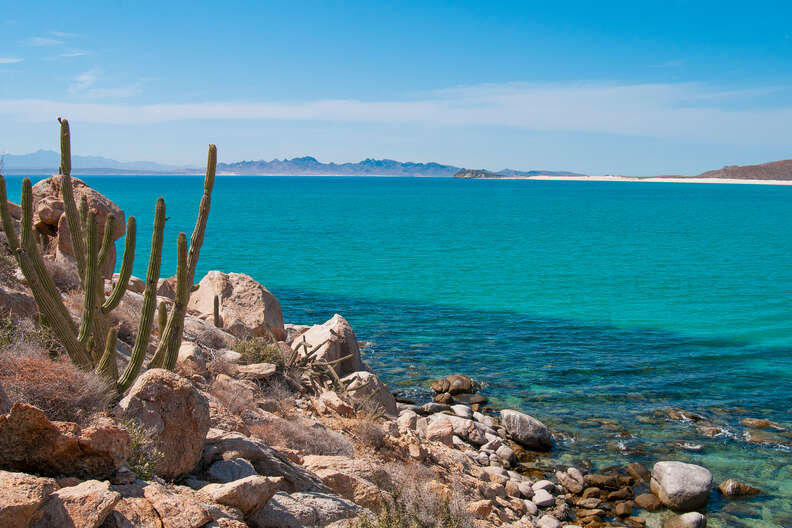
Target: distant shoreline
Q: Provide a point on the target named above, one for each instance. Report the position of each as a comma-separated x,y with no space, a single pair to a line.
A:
645,179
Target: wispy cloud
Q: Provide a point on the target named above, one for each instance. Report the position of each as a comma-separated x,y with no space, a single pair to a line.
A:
673,63
10,60
684,111
73,54
85,86
43,41
63,34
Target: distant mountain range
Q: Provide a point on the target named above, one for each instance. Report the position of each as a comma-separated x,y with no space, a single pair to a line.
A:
310,166
48,161
774,170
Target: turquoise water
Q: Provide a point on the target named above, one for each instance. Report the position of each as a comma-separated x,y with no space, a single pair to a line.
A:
574,301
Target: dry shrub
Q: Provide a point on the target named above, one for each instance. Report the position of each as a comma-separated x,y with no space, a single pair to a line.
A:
56,386
416,504
370,434
309,438
63,274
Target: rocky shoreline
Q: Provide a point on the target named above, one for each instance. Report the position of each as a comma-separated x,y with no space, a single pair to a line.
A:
264,424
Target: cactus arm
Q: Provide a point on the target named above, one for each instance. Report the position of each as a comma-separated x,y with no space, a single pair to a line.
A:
90,282
107,367
72,216
107,241
175,324
149,302
8,223
126,268
49,309
167,351
38,267
65,147
162,317
216,312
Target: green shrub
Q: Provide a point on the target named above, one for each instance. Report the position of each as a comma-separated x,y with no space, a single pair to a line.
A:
259,350
143,456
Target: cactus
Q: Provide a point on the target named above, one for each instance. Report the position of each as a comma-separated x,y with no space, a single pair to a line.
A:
162,317
217,322
93,343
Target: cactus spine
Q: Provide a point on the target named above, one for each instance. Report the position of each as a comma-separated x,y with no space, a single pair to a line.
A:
93,344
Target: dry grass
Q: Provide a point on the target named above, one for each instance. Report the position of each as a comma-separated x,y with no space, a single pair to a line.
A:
417,504
54,385
63,275
308,438
370,434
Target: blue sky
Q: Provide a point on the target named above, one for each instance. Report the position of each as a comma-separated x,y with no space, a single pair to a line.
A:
597,87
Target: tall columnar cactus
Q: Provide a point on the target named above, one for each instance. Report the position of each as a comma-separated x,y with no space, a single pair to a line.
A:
217,321
92,344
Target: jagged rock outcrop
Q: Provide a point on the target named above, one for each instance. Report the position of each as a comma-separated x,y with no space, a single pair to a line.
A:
21,496
85,505
31,443
331,341
173,414
366,386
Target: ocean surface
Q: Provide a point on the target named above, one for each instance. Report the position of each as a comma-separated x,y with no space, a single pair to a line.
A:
594,306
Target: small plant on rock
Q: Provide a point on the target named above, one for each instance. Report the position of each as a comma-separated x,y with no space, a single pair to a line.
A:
143,455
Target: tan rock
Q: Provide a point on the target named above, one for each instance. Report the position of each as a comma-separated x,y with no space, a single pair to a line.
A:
173,413
21,496
191,360
86,505
330,342
177,508
247,494
133,512
330,401
480,509
648,501
29,442
360,468
734,488
366,386
247,308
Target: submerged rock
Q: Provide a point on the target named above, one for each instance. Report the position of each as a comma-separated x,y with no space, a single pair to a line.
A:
734,488
686,520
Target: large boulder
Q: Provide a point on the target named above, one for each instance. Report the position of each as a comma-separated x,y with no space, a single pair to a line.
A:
222,445
49,215
526,430
29,442
468,430
248,494
133,512
85,505
331,341
21,496
681,486
303,509
247,309
176,506
366,386
174,415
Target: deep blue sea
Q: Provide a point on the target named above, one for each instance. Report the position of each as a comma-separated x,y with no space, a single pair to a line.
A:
594,306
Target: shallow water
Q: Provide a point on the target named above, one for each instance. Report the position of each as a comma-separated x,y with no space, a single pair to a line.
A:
571,300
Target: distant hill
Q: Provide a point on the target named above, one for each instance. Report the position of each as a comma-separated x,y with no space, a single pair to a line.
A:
510,173
310,166
47,161
774,170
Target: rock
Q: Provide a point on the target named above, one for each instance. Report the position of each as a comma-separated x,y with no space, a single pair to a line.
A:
21,495
191,360
433,408
178,508
221,445
352,487
620,494
530,507
5,403
255,371
635,522
463,411
526,430
681,486
303,509
331,341
364,385
49,217
546,521
686,520
760,423
468,430
648,501
133,512
526,489
247,308
407,421
506,454
352,466
544,485
173,414
733,488
247,494
230,470
624,509
598,480
83,506
135,284
571,479
293,331
542,498
30,443
444,398
638,472
440,431
333,402
480,509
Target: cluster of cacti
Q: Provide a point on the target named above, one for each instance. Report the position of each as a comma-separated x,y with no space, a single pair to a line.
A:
93,343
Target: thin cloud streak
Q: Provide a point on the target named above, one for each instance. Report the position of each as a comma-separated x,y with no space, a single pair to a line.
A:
686,111
10,60
43,41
